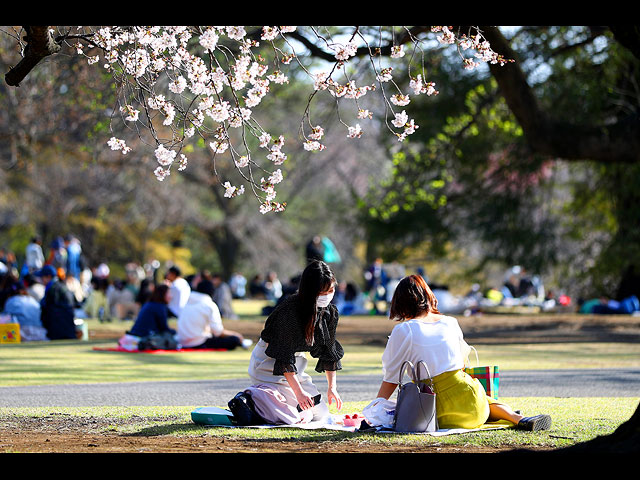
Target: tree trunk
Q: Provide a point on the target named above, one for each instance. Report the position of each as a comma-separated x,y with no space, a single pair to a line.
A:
626,439
619,142
226,245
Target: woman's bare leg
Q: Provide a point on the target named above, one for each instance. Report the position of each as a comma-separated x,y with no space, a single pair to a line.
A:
500,411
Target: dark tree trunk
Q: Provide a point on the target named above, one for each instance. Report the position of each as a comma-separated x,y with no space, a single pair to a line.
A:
226,245
626,439
619,142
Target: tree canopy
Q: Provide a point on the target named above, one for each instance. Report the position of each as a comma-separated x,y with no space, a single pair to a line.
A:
485,117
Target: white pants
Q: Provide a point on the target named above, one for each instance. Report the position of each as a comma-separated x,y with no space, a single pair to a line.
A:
261,373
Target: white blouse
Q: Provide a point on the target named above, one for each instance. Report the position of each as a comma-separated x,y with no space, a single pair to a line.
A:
439,344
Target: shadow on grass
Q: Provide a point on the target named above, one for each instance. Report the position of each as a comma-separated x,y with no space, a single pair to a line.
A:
296,434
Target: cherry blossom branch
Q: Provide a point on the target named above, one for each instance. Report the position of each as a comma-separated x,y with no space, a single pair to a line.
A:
204,82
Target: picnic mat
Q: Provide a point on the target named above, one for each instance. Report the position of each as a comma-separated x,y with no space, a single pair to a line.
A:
182,350
221,417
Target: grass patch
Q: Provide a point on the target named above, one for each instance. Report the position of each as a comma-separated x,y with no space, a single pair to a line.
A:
575,420
70,361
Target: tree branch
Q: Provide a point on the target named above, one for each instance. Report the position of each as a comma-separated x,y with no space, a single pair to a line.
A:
628,36
619,142
40,44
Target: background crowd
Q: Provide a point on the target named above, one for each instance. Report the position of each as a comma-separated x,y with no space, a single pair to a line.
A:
54,289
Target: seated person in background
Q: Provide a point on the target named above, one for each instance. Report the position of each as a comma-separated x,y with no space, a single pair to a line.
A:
34,287
200,323
121,301
57,306
26,310
152,318
180,290
96,304
222,297
349,300
145,291
154,314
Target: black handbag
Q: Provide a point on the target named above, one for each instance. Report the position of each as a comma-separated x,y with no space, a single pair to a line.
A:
244,411
416,403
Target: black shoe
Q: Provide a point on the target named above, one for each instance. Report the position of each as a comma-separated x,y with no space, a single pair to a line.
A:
534,424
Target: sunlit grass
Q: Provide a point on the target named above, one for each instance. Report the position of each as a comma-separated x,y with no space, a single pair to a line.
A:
575,420
66,362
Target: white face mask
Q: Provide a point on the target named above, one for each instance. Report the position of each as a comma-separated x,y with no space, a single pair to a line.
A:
324,300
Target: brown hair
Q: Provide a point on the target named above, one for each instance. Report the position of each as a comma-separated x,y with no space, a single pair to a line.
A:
159,292
412,298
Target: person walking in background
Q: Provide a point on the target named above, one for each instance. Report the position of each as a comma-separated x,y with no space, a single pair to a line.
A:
314,249
376,283
74,253
34,257
57,254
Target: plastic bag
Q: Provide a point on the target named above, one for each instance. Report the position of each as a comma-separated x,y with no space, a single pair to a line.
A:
380,412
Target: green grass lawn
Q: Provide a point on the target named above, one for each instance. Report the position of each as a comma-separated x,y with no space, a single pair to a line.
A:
575,420
67,362
70,361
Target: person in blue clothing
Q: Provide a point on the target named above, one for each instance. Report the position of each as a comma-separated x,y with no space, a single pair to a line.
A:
154,314
26,310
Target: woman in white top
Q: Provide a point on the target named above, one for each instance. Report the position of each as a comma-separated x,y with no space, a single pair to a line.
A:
424,334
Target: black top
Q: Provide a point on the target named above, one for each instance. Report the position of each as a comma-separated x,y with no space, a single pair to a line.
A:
57,313
284,333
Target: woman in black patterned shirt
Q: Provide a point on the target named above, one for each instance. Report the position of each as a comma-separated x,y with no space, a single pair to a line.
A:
305,321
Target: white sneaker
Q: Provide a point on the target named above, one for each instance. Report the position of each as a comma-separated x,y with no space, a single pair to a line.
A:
246,343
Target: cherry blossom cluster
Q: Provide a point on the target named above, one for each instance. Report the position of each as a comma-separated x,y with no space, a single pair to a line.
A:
205,83
483,51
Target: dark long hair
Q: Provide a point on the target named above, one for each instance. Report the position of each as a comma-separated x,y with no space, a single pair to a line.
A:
316,278
412,298
159,292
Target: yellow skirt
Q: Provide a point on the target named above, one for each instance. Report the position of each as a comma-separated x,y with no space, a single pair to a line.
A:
461,401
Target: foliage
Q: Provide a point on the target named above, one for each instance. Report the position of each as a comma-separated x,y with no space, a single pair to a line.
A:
475,181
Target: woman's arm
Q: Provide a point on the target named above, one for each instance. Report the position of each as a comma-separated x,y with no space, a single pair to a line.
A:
386,390
332,390
303,398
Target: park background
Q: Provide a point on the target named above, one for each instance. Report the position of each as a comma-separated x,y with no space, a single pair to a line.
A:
473,193
468,197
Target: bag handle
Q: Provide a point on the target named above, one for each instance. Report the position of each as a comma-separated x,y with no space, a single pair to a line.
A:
406,364
476,352
415,372
418,378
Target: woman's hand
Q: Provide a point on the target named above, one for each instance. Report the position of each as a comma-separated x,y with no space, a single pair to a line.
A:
304,400
332,391
332,396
